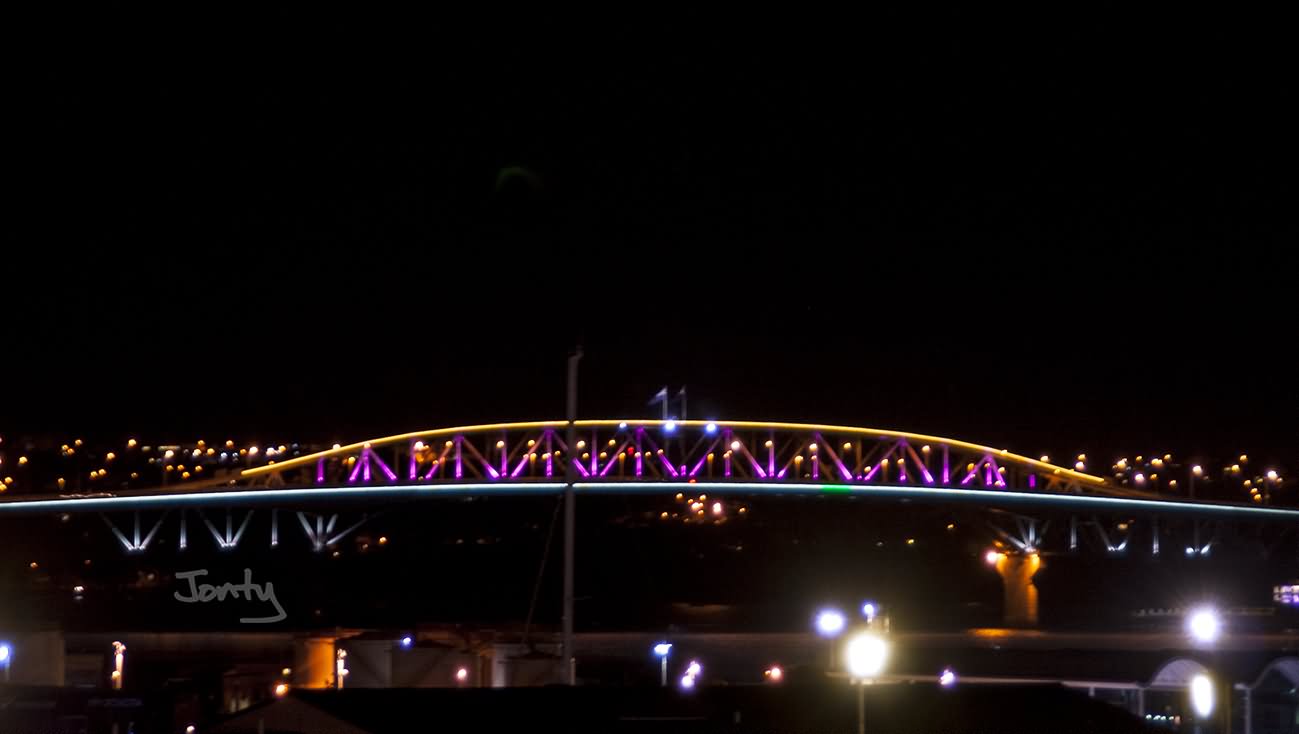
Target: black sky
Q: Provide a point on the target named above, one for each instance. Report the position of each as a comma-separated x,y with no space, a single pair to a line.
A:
1070,239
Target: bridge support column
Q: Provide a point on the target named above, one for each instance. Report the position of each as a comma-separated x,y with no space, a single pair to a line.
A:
1019,595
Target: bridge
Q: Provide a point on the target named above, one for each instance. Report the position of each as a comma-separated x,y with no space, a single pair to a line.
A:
694,457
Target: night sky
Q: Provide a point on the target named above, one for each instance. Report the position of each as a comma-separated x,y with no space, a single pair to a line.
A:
1070,243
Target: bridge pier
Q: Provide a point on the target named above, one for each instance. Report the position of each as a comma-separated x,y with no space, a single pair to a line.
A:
1019,595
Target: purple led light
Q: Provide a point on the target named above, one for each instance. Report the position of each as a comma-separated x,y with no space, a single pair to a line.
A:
1032,481
947,474
704,458
414,462
460,468
505,458
370,454
550,453
356,471
771,456
870,474
320,471
667,464
518,469
816,467
726,466
365,467
640,466
613,459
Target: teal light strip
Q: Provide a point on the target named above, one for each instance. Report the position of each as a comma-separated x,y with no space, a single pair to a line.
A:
261,496
410,491
946,494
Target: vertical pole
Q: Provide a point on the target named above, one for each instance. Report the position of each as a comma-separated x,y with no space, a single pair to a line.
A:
861,708
1195,522
663,671
570,519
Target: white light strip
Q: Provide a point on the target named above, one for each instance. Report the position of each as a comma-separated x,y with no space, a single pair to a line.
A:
93,504
965,495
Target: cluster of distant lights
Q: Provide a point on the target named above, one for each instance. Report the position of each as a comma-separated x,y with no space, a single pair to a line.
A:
699,510
184,462
1155,472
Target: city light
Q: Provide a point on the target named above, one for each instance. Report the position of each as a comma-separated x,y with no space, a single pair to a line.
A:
830,622
947,678
774,674
710,429
4,653
866,654
992,556
340,668
669,427
1197,470
407,642
662,649
281,689
694,669
462,675
868,610
119,665
1202,695
1205,625
687,682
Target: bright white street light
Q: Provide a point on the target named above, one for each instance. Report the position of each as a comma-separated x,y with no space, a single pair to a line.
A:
1204,625
1202,695
830,622
662,649
868,610
4,653
866,655
693,669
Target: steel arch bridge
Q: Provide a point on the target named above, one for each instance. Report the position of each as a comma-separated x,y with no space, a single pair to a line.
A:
658,451
652,456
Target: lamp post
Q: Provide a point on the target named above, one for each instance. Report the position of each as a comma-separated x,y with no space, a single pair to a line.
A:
865,654
1204,625
1201,693
830,624
570,523
6,657
662,649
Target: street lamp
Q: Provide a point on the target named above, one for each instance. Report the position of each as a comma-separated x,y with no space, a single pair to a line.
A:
662,649
1204,625
1201,697
6,657
830,623
866,654
869,610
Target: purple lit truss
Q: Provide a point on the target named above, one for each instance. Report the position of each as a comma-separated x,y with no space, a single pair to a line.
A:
632,451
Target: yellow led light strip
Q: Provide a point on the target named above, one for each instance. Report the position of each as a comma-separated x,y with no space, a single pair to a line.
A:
1041,466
